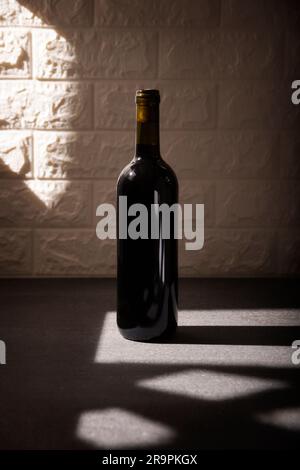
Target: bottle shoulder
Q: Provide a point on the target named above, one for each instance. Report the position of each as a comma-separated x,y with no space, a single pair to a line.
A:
168,172
126,172
140,169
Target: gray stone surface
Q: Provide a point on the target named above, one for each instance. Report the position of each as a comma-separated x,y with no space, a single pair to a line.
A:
226,380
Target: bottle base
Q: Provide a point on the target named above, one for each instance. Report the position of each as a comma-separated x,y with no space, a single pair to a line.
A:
139,335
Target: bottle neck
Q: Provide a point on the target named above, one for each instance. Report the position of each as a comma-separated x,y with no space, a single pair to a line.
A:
147,130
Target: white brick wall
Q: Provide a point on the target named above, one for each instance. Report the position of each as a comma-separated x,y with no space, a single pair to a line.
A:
68,74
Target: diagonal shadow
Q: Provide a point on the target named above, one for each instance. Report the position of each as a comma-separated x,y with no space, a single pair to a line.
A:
237,335
9,212
241,294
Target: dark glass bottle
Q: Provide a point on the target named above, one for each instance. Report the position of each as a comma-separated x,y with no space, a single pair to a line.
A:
147,284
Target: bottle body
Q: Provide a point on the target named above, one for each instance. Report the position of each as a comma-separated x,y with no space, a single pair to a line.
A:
147,267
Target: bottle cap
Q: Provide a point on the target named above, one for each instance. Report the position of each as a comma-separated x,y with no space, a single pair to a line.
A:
147,95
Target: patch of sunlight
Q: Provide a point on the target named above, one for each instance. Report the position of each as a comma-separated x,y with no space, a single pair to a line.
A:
209,385
288,418
115,428
15,153
113,348
49,192
241,317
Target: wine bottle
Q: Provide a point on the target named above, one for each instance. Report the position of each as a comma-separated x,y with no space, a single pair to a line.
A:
147,266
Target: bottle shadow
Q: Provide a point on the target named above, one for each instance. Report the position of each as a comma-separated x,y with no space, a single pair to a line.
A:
53,329
236,335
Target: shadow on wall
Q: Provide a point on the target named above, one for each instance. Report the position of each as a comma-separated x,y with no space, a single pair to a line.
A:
33,202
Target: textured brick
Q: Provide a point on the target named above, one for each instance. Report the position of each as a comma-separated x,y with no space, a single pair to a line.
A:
206,54
73,253
96,54
292,54
13,13
115,103
15,252
254,14
231,253
250,54
188,105
257,204
83,155
188,54
289,154
224,69
45,105
253,104
104,192
222,154
46,12
185,105
249,105
195,13
127,13
14,54
50,203
195,192
15,154
289,252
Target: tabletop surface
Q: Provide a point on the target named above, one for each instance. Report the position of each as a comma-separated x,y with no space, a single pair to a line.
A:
226,380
